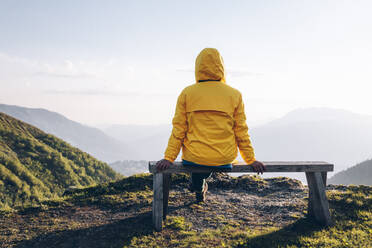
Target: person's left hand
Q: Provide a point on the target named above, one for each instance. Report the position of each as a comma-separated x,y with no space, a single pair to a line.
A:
163,164
258,167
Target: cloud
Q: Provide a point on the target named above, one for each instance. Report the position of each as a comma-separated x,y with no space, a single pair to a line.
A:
91,92
66,69
25,67
16,67
62,75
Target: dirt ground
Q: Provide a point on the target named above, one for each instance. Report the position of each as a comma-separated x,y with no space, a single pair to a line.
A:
249,201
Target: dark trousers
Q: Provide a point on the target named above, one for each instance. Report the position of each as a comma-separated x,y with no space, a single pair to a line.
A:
198,179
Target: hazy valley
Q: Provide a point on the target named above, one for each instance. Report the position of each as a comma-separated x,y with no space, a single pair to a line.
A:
322,134
332,135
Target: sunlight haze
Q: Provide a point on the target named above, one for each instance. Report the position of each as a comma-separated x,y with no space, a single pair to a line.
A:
125,62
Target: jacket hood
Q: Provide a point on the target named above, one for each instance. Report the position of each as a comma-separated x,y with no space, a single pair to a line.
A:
209,66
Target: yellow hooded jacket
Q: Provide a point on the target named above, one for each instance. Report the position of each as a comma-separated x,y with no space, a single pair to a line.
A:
209,123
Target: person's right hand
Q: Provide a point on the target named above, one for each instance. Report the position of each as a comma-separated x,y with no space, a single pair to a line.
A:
163,164
258,167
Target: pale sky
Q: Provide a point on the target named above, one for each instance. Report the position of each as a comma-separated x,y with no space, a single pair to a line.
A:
125,62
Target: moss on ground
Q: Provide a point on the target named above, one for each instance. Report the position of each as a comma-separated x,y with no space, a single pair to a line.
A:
351,211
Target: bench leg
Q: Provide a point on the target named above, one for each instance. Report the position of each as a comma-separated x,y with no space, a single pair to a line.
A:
318,203
324,178
157,203
166,185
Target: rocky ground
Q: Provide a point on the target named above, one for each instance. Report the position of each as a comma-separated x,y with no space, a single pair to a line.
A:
116,219
253,202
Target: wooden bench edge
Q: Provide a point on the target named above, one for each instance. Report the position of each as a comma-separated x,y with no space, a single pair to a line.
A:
271,166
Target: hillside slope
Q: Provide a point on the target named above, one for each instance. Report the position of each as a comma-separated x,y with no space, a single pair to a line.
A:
360,174
91,140
239,212
35,165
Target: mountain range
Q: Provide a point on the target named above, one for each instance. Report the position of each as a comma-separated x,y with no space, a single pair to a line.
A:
336,136
86,138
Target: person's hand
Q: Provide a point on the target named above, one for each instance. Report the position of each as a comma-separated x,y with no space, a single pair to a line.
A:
258,167
163,164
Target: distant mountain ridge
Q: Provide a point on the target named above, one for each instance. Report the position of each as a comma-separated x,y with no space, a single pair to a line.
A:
88,139
360,174
130,167
333,135
317,114
337,136
35,165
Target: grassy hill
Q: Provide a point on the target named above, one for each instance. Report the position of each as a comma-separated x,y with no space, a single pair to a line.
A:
359,174
89,139
35,165
240,212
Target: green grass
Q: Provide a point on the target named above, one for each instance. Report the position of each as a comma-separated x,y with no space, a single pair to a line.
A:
351,210
35,166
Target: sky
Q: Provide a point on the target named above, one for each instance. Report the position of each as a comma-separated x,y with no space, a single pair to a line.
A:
125,62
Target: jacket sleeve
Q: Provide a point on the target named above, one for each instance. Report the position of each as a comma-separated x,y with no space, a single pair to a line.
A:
179,130
241,133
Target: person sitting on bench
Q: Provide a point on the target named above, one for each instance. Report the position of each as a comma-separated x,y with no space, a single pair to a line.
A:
209,124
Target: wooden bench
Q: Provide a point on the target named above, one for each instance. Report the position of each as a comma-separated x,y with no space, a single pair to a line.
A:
316,175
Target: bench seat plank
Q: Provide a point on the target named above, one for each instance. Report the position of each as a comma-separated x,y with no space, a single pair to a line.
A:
272,166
